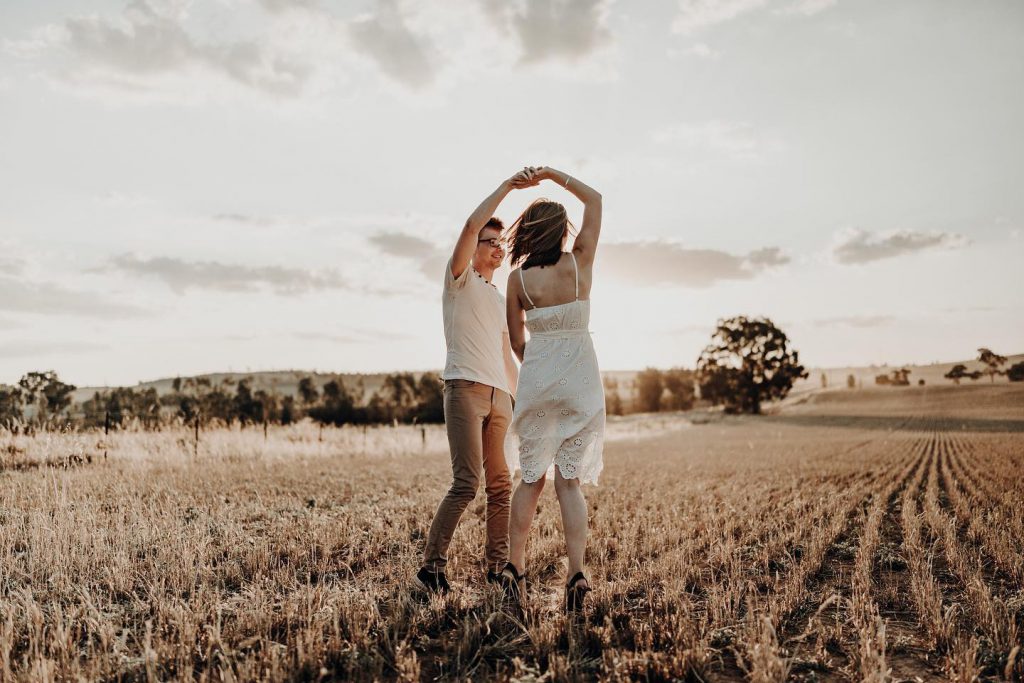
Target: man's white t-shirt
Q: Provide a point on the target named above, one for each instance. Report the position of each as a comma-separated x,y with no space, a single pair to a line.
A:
476,331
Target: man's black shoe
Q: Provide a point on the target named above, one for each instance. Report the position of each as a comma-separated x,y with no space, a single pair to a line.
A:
431,582
493,576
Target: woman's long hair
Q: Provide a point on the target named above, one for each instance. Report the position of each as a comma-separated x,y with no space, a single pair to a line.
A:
537,236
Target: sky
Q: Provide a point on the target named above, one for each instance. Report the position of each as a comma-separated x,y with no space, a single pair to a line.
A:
247,185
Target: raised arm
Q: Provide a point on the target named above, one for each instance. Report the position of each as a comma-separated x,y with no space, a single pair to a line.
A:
466,245
585,245
516,316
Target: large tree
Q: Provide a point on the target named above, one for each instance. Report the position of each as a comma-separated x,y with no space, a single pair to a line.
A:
747,362
993,361
956,373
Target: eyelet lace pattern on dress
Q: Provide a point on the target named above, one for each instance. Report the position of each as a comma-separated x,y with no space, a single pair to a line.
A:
559,416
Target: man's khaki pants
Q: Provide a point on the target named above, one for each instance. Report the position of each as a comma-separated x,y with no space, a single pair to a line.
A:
476,416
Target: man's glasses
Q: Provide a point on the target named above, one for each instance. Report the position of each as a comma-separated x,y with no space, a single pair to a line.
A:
494,242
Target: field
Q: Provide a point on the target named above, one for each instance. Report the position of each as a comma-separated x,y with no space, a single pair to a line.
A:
853,535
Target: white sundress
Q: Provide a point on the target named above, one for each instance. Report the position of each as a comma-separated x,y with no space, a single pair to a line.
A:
559,414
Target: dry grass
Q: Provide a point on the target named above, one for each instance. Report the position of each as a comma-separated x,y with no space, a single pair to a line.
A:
856,536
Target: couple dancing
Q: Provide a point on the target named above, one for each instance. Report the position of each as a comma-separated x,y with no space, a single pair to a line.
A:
556,428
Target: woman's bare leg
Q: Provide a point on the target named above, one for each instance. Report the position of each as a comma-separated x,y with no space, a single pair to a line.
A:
574,520
524,506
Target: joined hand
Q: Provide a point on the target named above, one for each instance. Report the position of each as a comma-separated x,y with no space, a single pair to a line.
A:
528,177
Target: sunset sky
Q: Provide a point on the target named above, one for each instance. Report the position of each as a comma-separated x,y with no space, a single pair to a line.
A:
249,185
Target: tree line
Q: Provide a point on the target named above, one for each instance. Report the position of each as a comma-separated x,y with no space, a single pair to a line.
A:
41,399
748,362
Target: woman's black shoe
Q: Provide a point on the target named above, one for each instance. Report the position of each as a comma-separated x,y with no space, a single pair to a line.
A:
575,593
513,583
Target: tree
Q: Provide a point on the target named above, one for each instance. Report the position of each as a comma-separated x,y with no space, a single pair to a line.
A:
851,382
308,392
336,407
747,362
11,405
288,411
956,373
679,384
824,381
650,384
1016,372
399,390
612,397
46,392
901,377
429,399
993,361
245,406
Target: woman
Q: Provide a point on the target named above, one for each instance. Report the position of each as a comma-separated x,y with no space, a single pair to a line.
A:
559,417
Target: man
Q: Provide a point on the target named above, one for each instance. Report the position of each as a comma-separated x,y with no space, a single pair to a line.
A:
480,378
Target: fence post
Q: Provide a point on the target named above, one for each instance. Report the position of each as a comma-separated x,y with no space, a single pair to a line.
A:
196,450
106,432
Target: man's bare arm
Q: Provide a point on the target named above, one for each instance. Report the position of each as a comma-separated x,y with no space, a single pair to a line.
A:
466,245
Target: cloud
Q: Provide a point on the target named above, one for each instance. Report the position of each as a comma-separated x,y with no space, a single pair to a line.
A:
403,55
699,50
9,324
856,321
11,265
807,7
736,140
182,275
974,309
118,200
288,5
244,219
861,246
666,263
43,347
148,43
355,336
694,15
767,257
18,294
568,30
431,258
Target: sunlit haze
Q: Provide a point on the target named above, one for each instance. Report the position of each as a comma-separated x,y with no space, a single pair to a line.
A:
246,185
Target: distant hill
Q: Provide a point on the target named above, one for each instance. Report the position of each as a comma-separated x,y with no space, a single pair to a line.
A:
286,382
931,373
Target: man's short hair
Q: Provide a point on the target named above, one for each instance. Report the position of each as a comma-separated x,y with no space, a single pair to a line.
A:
494,222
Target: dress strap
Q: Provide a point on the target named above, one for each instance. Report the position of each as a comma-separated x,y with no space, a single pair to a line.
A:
576,273
523,283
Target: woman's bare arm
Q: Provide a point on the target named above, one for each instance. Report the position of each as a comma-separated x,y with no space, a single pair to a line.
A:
585,245
516,316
